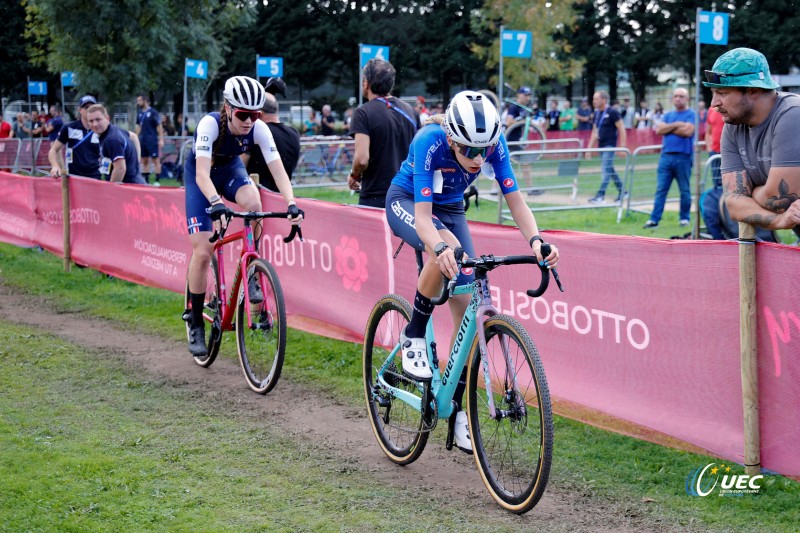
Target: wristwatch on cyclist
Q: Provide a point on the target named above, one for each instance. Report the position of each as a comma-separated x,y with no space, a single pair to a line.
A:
535,238
440,248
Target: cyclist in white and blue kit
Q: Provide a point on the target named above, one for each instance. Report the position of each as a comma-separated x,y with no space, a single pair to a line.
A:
425,208
215,171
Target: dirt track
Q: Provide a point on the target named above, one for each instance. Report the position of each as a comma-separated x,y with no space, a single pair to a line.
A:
341,430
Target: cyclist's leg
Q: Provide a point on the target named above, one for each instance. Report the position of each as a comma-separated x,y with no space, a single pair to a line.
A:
400,216
200,230
243,191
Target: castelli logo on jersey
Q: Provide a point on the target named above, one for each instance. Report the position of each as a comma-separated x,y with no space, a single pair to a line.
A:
508,182
467,271
426,191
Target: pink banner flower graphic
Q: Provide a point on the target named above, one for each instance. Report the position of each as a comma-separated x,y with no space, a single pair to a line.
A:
351,263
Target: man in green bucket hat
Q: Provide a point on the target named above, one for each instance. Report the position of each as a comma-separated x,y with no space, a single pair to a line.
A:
760,148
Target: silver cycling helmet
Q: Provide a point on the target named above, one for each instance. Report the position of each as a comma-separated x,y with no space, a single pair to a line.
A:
244,93
472,120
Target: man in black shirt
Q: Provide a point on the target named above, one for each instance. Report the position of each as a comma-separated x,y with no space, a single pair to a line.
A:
326,121
383,128
287,140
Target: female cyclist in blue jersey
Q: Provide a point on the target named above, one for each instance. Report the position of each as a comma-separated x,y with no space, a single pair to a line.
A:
215,171
425,207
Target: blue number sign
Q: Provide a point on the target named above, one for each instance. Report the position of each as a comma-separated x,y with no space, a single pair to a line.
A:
68,79
373,51
269,67
196,68
517,43
713,27
37,88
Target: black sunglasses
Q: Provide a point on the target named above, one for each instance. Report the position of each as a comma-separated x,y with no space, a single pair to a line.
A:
244,114
716,77
471,152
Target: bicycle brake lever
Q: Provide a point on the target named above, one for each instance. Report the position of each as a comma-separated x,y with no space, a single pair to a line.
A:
296,231
558,280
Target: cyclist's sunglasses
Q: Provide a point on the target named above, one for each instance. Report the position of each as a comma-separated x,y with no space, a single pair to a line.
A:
716,77
471,152
244,114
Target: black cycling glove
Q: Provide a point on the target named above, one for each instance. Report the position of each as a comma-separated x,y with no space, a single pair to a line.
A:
216,211
295,211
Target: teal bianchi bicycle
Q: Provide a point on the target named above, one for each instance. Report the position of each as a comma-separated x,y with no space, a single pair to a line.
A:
507,399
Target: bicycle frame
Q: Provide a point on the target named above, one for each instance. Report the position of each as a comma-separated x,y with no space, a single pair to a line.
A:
248,252
444,384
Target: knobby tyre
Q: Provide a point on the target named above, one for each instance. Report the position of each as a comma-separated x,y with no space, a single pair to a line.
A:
513,450
402,431
211,314
261,334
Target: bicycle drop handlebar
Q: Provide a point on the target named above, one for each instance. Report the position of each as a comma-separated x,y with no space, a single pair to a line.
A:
257,215
490,262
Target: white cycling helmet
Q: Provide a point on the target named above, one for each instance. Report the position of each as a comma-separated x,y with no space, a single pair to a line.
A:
244,93
472,120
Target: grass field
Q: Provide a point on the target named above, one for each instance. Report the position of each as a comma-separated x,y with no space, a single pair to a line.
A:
91,444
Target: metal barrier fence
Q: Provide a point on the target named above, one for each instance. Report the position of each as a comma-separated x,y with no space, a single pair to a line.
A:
28,156
563,179
323,162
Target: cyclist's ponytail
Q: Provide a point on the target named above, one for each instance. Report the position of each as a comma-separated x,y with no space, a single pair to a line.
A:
223,130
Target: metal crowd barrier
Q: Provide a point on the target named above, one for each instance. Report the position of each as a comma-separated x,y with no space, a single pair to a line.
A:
562,179
25,156
323,162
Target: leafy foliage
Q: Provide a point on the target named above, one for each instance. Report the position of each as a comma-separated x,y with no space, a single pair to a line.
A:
549,22
127,47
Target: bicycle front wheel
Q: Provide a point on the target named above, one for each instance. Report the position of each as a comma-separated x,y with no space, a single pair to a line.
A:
513,443
261,333
211,314
401,429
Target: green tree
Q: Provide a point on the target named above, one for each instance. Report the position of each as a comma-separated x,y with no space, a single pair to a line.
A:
121,47
549,21
14,60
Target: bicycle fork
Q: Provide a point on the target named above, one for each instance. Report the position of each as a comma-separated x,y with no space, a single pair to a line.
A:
511,395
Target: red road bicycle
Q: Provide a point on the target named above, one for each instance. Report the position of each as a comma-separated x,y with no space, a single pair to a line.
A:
260,325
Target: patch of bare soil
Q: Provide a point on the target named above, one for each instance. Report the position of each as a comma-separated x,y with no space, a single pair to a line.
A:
343,431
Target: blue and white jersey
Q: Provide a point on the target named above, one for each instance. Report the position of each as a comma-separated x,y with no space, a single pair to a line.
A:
232,146
432,173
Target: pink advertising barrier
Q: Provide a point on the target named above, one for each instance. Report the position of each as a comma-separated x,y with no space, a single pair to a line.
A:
647,330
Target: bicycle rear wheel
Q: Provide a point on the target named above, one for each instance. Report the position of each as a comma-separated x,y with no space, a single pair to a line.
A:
514,448
261,336
211,314
401,430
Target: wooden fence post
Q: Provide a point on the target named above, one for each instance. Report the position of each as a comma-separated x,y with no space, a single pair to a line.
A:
748,340
65,207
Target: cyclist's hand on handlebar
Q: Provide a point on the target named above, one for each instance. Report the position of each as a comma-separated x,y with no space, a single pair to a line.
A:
447,263
220,214
551,261
295,214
